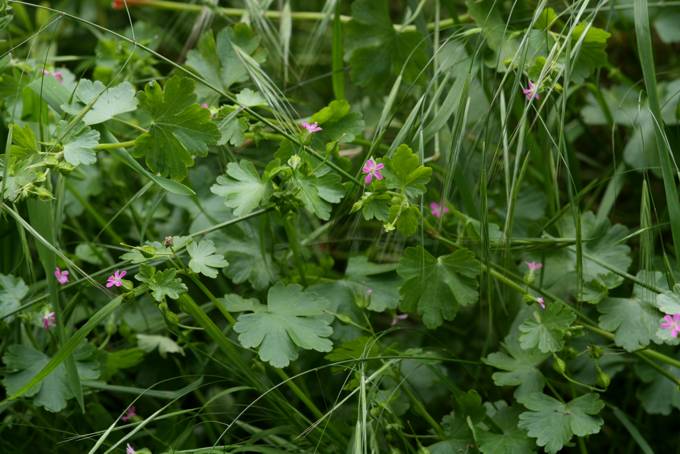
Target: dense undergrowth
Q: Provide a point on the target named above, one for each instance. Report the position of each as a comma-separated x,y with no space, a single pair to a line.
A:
411,226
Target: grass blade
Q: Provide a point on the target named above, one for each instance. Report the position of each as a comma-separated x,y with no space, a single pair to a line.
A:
644,45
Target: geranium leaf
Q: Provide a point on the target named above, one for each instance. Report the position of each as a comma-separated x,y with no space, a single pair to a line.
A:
248,256
436,287
601,242
180,129
12,291
242,188
511,440
377,283
546,329
108,102
658,395
79,145
161,283
204,260
216,59
294,319
377,52
403,171
317,193
520,367
554,423
634,320
165,345
592,54
24,362
338,122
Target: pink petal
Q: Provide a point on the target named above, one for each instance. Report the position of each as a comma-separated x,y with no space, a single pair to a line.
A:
379,165
368,179
378,175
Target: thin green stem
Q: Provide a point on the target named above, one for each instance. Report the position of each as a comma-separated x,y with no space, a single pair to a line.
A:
294,243
274,14
115,146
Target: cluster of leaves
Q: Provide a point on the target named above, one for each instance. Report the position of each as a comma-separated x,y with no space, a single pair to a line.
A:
456,298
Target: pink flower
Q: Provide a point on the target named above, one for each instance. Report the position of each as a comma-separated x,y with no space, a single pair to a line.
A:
372,169
397,318
311,127
541,302
62,276
129,413
534,266
116,279
438,210
672,324
531,92
205,105
129,449
49,320
56,74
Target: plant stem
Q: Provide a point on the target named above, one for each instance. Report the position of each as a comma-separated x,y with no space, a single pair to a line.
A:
273,14
230,318
588,324
114,146
294,243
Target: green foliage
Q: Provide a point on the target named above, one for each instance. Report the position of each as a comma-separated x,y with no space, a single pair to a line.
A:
204,260
216,59
161,283
395,199
435,288
554,423
79,145
546,329
292,319
180,129
634,320
165,345
603,250
520,368
592,42
376,51
339,124
102,103
374,283
436,305
12,291
23,362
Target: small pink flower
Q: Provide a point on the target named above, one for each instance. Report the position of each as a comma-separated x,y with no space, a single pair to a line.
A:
62,276
372,169
56,74
672,324
531,92
205,105
129,413
534,266
116,279
49,320
397,318
541,302
129,449
438,210
311,127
